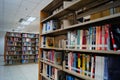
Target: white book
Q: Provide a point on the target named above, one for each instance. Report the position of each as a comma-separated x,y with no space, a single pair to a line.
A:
56,74
92,66
44,28
81,38
99,68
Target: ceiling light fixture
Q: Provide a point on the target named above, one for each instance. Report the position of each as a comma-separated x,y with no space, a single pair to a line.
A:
28,21
20,27
31,19
25,23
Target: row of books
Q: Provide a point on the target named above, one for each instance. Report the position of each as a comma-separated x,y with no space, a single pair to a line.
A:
30,44
30,52
22,40
53,41
97,67
52,56
80,63
13,34
30,40
65,77
13,52
29,57
13,57
10,61
95,38
21,52
50,26
28,61
101,37
29,48
22,56
13,61
70,77
13,49
30,35
51,72
14,44
56,74
13,39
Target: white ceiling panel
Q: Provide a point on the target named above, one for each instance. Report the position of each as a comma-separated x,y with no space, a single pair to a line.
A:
12,10
35,1
36,12
13,1
27,6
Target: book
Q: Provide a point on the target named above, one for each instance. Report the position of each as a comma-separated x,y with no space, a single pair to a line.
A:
50,42
79,62
58,57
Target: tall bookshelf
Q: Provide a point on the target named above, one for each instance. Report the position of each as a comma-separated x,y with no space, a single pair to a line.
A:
79,40
21,48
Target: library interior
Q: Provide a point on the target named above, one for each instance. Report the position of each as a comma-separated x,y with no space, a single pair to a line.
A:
59,39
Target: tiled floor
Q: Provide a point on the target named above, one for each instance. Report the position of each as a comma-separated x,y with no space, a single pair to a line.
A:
18,72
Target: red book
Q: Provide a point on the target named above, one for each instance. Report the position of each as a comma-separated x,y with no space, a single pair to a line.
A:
106,36
84,39
100,48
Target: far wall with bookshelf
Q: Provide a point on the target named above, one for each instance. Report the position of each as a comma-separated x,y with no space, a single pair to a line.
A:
21,48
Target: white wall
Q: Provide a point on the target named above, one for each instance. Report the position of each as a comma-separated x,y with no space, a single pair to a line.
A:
2,36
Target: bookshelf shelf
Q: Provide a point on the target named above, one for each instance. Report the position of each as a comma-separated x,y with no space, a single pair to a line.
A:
54,65
78,75
95,51
14,47
52,48
103,20
85,50
45,76
85,32
58,31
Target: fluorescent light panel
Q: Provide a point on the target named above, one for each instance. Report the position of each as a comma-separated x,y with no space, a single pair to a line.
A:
28,21
25,23
31,19
20,27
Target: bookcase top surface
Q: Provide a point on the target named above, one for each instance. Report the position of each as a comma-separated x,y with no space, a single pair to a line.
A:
53,5
71,8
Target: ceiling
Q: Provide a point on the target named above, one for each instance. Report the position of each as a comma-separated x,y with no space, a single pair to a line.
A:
11,11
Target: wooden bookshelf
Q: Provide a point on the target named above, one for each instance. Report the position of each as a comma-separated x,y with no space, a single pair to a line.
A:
73,7
52,48
79,23
45,76
78,75
52,64
14,48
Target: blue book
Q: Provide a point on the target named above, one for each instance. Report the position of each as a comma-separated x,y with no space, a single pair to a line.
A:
72,78
75,61
114,68
105,68
78,38
50,71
